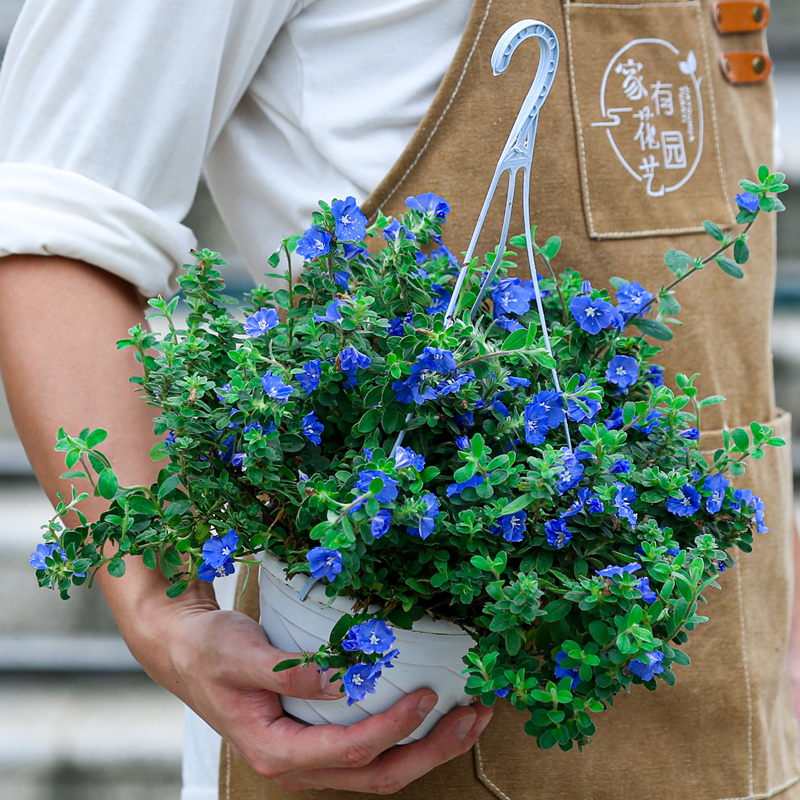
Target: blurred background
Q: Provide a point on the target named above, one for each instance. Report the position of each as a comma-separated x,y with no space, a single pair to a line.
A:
78,717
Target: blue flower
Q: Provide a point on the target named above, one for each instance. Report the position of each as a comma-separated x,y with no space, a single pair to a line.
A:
331,312
312,428
388,491
426,521
256,427
208,573
437,359
721,567
391,231
452,383
238,459
352,251
535,423
464,421
622,502
358,681
225,388
368,453
429,203
351,224
591,315
655,375
648,668
380,523
469,483
513,526
324,563
587,500
758,506
564,672
441,299
43,551
512,296
309,377
622,371
650,422
502,692
350,361
648,595
508,323
690,433
571,473
557,534
748,201
614,420
687,504
406,457
632,298
259,323
513,381
612,571
342,277
275,388
313,243
462,443
551,404
169,440
621,467
576,413
444,252
372,636
499,406
397,326
219,550
384,662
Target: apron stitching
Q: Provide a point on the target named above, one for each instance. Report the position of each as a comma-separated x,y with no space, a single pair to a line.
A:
687,4
484,777
581,145
629,234
227,771
746,666
770,793
720,166
445,110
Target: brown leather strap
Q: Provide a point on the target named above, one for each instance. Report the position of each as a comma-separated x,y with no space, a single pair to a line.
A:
740,16
745,66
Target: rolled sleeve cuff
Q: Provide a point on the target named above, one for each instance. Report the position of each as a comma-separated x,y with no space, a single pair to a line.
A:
52,212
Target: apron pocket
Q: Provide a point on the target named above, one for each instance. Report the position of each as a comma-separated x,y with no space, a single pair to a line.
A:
645,119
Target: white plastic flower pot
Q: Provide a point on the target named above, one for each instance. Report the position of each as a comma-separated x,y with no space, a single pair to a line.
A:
430,655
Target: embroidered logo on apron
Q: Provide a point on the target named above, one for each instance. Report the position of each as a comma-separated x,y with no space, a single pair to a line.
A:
653,117
645,118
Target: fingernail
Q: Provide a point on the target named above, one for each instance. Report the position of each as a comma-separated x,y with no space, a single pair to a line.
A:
330,689
481,726
426,705
465,725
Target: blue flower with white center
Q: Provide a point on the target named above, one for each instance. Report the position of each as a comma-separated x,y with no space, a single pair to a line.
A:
741,496
650,667
372,636
351,251
309,377
312,428
324,563
396,327
238,459
622,502
331,312
441,299
648,595
655,375
429,203
621,467
687,504
551,404
748,201
565,672
572,472
469,483
426,519
513,526
514,382
437,359
462,442
584,501
622,371
591,315
43,551
218,550
412,391
535,424
508,323
690,433
406,457
632,298
350,361
578,414
612,571
393,229
351,224
452,383
511,296
275,388
208,573
259,323
387,493
313,243
380,523
558,535
358,681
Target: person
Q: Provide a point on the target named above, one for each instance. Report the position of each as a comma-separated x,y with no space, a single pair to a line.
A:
108,115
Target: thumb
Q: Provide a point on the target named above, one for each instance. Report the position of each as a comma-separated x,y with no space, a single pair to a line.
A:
307,682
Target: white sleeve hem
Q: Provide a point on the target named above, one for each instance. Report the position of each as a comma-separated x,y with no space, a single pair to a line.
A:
52,212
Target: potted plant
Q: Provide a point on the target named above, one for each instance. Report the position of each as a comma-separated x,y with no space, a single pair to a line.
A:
398,468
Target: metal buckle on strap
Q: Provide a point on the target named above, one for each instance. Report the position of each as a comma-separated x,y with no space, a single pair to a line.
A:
745,66
740,16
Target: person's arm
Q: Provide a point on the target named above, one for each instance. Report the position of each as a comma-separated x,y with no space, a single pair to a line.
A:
59,323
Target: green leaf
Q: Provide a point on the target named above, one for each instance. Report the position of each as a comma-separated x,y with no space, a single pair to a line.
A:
552,246
116,568
730,267
654,329
741,440
516,505
669,305
557,609
95,437
677,261
288,663
741,251
107,484
177,589
763,173
714,231
516,339
74,473
544,358
599,631
712,400
149,559
168,485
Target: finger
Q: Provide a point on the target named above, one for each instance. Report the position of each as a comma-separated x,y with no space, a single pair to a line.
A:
398,767
289,747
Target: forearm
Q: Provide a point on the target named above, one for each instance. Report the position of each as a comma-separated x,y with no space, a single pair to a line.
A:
59,324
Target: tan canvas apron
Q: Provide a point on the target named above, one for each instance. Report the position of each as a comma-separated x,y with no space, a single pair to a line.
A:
622,185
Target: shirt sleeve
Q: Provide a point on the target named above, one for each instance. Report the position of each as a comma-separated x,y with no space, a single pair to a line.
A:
107,111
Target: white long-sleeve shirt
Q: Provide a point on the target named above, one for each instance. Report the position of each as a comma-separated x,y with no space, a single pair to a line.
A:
110,111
